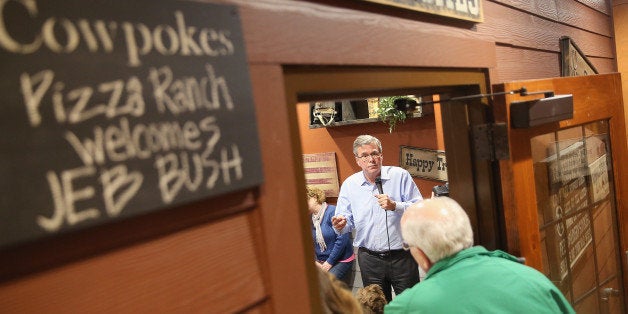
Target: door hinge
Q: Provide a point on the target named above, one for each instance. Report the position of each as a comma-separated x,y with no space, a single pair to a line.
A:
490,141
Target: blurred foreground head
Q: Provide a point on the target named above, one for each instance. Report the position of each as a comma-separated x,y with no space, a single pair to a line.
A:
372,298
335,296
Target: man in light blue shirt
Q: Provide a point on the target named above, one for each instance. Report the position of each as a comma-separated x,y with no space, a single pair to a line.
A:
376,216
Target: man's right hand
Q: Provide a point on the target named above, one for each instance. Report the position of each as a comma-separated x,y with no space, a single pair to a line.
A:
339,222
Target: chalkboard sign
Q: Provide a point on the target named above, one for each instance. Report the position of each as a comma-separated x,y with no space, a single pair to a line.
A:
110,109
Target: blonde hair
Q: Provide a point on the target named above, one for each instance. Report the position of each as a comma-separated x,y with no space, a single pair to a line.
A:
316,193
335,295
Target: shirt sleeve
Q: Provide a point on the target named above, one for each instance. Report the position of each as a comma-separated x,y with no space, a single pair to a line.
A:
343,208
410,193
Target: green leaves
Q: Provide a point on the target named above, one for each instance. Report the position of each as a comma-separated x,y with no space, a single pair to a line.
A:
388,113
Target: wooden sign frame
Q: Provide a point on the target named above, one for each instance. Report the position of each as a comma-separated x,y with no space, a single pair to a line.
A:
117,114
461,10
573,61
424,163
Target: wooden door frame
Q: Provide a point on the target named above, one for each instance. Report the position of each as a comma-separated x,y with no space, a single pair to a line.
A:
304,83
523,236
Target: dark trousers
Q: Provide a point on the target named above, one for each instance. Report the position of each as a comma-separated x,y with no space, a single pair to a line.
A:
396,268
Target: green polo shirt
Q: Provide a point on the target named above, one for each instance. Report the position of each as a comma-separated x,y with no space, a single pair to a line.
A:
478,281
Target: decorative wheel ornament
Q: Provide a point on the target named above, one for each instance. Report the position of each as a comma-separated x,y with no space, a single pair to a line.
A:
325,112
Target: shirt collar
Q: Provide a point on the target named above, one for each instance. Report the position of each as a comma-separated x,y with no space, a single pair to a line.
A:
464,254
383,175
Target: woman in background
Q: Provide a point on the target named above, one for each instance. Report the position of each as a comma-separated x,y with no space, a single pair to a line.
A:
334,253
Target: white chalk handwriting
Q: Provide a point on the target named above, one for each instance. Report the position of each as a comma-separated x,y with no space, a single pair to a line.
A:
185,154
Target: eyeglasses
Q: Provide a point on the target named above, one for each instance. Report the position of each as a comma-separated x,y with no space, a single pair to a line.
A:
405,246
375,155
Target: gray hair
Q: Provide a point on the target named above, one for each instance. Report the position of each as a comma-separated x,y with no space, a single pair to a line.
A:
366,140
438,226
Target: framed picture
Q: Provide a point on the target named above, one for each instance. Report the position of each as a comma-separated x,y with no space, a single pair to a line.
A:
321,172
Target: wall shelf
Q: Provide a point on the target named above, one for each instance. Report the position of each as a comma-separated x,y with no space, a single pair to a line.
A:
426,110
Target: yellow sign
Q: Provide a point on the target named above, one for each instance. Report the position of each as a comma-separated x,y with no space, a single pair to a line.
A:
470,10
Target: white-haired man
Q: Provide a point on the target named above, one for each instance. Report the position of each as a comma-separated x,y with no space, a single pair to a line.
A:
465,278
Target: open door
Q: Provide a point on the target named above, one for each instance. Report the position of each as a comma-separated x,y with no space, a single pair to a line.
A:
562,190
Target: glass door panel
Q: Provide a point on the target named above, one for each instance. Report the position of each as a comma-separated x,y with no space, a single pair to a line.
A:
575,201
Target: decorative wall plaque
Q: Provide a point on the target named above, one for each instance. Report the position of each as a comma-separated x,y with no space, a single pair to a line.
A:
424,163
470,10
573,61
321,172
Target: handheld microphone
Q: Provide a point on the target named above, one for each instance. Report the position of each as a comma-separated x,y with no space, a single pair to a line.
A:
378,182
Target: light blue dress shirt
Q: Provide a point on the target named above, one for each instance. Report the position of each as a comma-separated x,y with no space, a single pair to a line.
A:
358,204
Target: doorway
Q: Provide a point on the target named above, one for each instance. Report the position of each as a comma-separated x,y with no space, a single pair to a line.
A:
447,128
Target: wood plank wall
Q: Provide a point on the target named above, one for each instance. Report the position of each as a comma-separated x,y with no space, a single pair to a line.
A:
620,15
188,267
525,34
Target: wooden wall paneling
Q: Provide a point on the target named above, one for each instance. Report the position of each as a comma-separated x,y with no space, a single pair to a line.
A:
600,5
568,12
71,252
620,13
519,64
522,64
195,270
300,27
256,221
48,253
605,65
292,280
581,15
545,8
507,26
299,30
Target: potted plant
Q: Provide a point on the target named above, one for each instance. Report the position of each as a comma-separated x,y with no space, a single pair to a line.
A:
388,112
